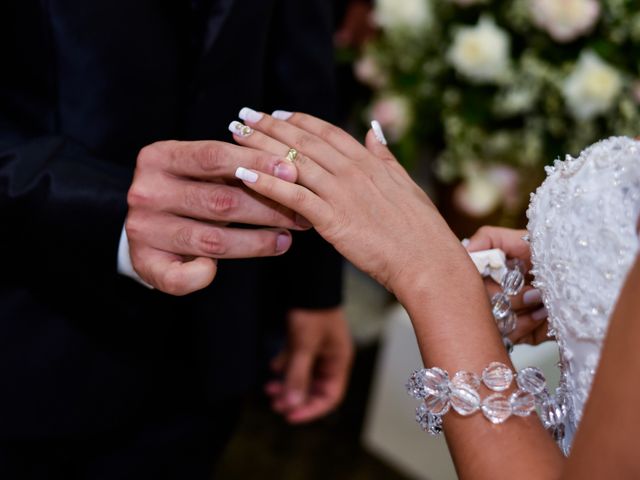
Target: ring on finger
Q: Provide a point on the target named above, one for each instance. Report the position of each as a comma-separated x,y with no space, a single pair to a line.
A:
292,154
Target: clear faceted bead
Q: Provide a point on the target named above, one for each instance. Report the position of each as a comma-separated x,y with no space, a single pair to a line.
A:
512,282
415,385
421,416
522,403
438,404
464,399
501,306
497,376
435,381
496,408
467,378
507,324
532,380
426,382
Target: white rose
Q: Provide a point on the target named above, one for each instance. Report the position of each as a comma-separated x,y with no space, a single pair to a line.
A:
565,20
413,16
477,196
481,52
592,87
394,114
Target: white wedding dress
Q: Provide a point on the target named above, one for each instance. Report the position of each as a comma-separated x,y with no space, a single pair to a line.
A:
583,234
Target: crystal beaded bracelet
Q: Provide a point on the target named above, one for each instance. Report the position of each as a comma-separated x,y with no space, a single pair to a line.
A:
512,283
439,394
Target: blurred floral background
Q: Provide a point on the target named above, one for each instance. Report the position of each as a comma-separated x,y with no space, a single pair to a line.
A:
489,91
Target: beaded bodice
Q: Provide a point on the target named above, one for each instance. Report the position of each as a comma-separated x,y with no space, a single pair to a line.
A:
583,233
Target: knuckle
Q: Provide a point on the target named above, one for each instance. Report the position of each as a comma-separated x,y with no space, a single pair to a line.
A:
133,226
303,140
300,196
212,242
138,196
213,158
329,132
222,202
184,238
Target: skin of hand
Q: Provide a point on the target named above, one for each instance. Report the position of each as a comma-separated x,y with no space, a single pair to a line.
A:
183,197
532,324
313,367
408,232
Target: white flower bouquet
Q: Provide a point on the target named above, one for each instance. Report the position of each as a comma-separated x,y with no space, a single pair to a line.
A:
501,87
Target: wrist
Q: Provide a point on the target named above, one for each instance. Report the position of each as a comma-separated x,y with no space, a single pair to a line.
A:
436,281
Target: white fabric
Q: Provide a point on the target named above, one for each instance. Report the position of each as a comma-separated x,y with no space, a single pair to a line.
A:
125,267
582,229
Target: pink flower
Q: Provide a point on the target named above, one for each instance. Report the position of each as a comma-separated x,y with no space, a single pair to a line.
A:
394,114
368,71
565,20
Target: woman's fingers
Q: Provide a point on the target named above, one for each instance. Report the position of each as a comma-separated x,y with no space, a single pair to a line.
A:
294,137
296,197
334,136
307,172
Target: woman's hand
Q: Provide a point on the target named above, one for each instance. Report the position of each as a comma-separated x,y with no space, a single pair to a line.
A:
359,199
532,316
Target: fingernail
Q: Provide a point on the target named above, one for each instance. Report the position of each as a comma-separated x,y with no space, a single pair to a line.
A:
532,297
303,222
246,175
283,242
377,131
249,115
285,171
465,242
282,115
240,129
539,314
294,399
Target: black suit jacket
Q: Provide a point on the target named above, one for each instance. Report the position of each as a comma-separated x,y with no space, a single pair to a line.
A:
83,86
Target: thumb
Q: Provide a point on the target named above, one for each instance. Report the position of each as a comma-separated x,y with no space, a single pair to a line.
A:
298,378
170,274
376,142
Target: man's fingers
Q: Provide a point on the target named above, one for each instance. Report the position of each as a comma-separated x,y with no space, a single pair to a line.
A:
205,160
298,377
183,236
295,197
169,273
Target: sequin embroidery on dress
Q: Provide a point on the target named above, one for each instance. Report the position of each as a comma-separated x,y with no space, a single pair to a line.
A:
582,229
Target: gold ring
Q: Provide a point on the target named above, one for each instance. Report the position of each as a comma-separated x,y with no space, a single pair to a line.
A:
292,154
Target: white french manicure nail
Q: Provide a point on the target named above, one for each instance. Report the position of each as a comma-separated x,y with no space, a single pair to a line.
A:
246,175
377,131
249,115
241,129
532,297
465,242
282,115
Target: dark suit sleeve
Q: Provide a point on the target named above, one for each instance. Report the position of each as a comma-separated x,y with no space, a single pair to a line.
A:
303,79
62,210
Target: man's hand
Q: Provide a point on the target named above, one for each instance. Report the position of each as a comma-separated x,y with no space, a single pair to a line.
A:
181,200
532,316
315,365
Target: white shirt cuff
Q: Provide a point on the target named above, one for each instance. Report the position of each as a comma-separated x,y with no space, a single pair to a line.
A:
125,267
